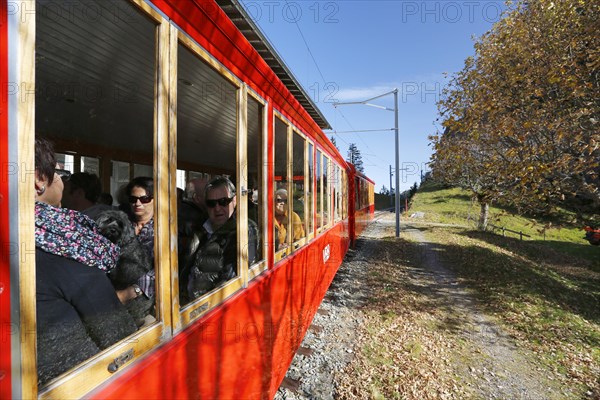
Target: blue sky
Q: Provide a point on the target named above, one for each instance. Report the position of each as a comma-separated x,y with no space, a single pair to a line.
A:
352,50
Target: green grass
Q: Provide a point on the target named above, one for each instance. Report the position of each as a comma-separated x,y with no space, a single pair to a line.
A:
456,206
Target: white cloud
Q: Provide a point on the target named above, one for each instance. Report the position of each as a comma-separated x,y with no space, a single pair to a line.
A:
422,82
358,93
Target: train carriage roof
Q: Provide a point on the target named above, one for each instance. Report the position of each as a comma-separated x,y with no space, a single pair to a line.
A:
243,21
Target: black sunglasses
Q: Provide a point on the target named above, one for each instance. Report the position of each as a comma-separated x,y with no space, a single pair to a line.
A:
223,201
142,199
63,173
278,200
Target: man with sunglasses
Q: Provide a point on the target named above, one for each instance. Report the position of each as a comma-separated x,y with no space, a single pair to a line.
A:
212,257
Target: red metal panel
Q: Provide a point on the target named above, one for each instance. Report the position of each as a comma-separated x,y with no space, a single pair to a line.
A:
6,327
243,348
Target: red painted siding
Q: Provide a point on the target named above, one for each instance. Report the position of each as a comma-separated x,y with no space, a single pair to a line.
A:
243,348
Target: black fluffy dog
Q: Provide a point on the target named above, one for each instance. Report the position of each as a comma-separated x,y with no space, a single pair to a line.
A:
133,263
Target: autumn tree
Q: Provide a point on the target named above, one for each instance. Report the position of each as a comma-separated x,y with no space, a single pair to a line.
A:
462,161
524,112
462,155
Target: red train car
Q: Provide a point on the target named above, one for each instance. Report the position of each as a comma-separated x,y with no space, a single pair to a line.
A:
178,91
363,199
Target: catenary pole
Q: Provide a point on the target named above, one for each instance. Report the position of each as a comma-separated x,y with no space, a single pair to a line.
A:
397,141
397,163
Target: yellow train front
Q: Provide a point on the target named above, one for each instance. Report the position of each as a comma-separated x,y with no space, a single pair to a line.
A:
180,92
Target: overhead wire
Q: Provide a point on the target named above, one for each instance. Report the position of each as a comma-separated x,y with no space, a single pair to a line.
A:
325,83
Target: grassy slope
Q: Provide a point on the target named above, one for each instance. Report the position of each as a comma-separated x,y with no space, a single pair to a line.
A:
547,292
454,206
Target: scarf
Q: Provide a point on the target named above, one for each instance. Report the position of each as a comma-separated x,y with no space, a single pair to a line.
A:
71,234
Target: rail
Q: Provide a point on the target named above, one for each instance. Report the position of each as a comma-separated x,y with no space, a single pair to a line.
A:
505,229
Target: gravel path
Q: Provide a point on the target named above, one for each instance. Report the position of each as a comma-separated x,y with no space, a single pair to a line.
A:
493,369
332,334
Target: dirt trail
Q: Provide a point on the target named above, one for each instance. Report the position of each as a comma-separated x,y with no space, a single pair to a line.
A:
499,370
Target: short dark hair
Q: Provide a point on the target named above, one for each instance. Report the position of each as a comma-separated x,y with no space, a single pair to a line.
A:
45,159
144,182
105,198
90,184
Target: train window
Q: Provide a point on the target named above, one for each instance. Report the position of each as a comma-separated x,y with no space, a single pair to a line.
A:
310,192
357,193
207,140
65,161
344,195
297,200
90,164
319,193
257,200
281,198
95,80
333,186
119,179
326,191
338,191
338,194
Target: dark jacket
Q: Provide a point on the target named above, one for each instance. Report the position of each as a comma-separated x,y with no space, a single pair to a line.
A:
78,314
212,258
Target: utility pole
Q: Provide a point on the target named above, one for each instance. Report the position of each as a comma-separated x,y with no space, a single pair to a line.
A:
397,163
397,143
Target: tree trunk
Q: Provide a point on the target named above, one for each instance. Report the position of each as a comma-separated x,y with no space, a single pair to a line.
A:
483,216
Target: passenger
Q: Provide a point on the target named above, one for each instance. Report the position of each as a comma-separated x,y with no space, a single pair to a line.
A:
81,193
196,192
106,198
78,312
212,258
140,197
191,211
191,214
281,221
253,205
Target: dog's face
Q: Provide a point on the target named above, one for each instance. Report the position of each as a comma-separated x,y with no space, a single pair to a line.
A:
115,226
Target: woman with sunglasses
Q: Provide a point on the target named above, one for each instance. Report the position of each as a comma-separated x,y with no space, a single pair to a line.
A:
140,207
281,221
78,312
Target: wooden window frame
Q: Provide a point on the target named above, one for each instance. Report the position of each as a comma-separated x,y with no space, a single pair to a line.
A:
259,268
310,194
281,253
93,372
319,201
327,191
184,316
304,240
